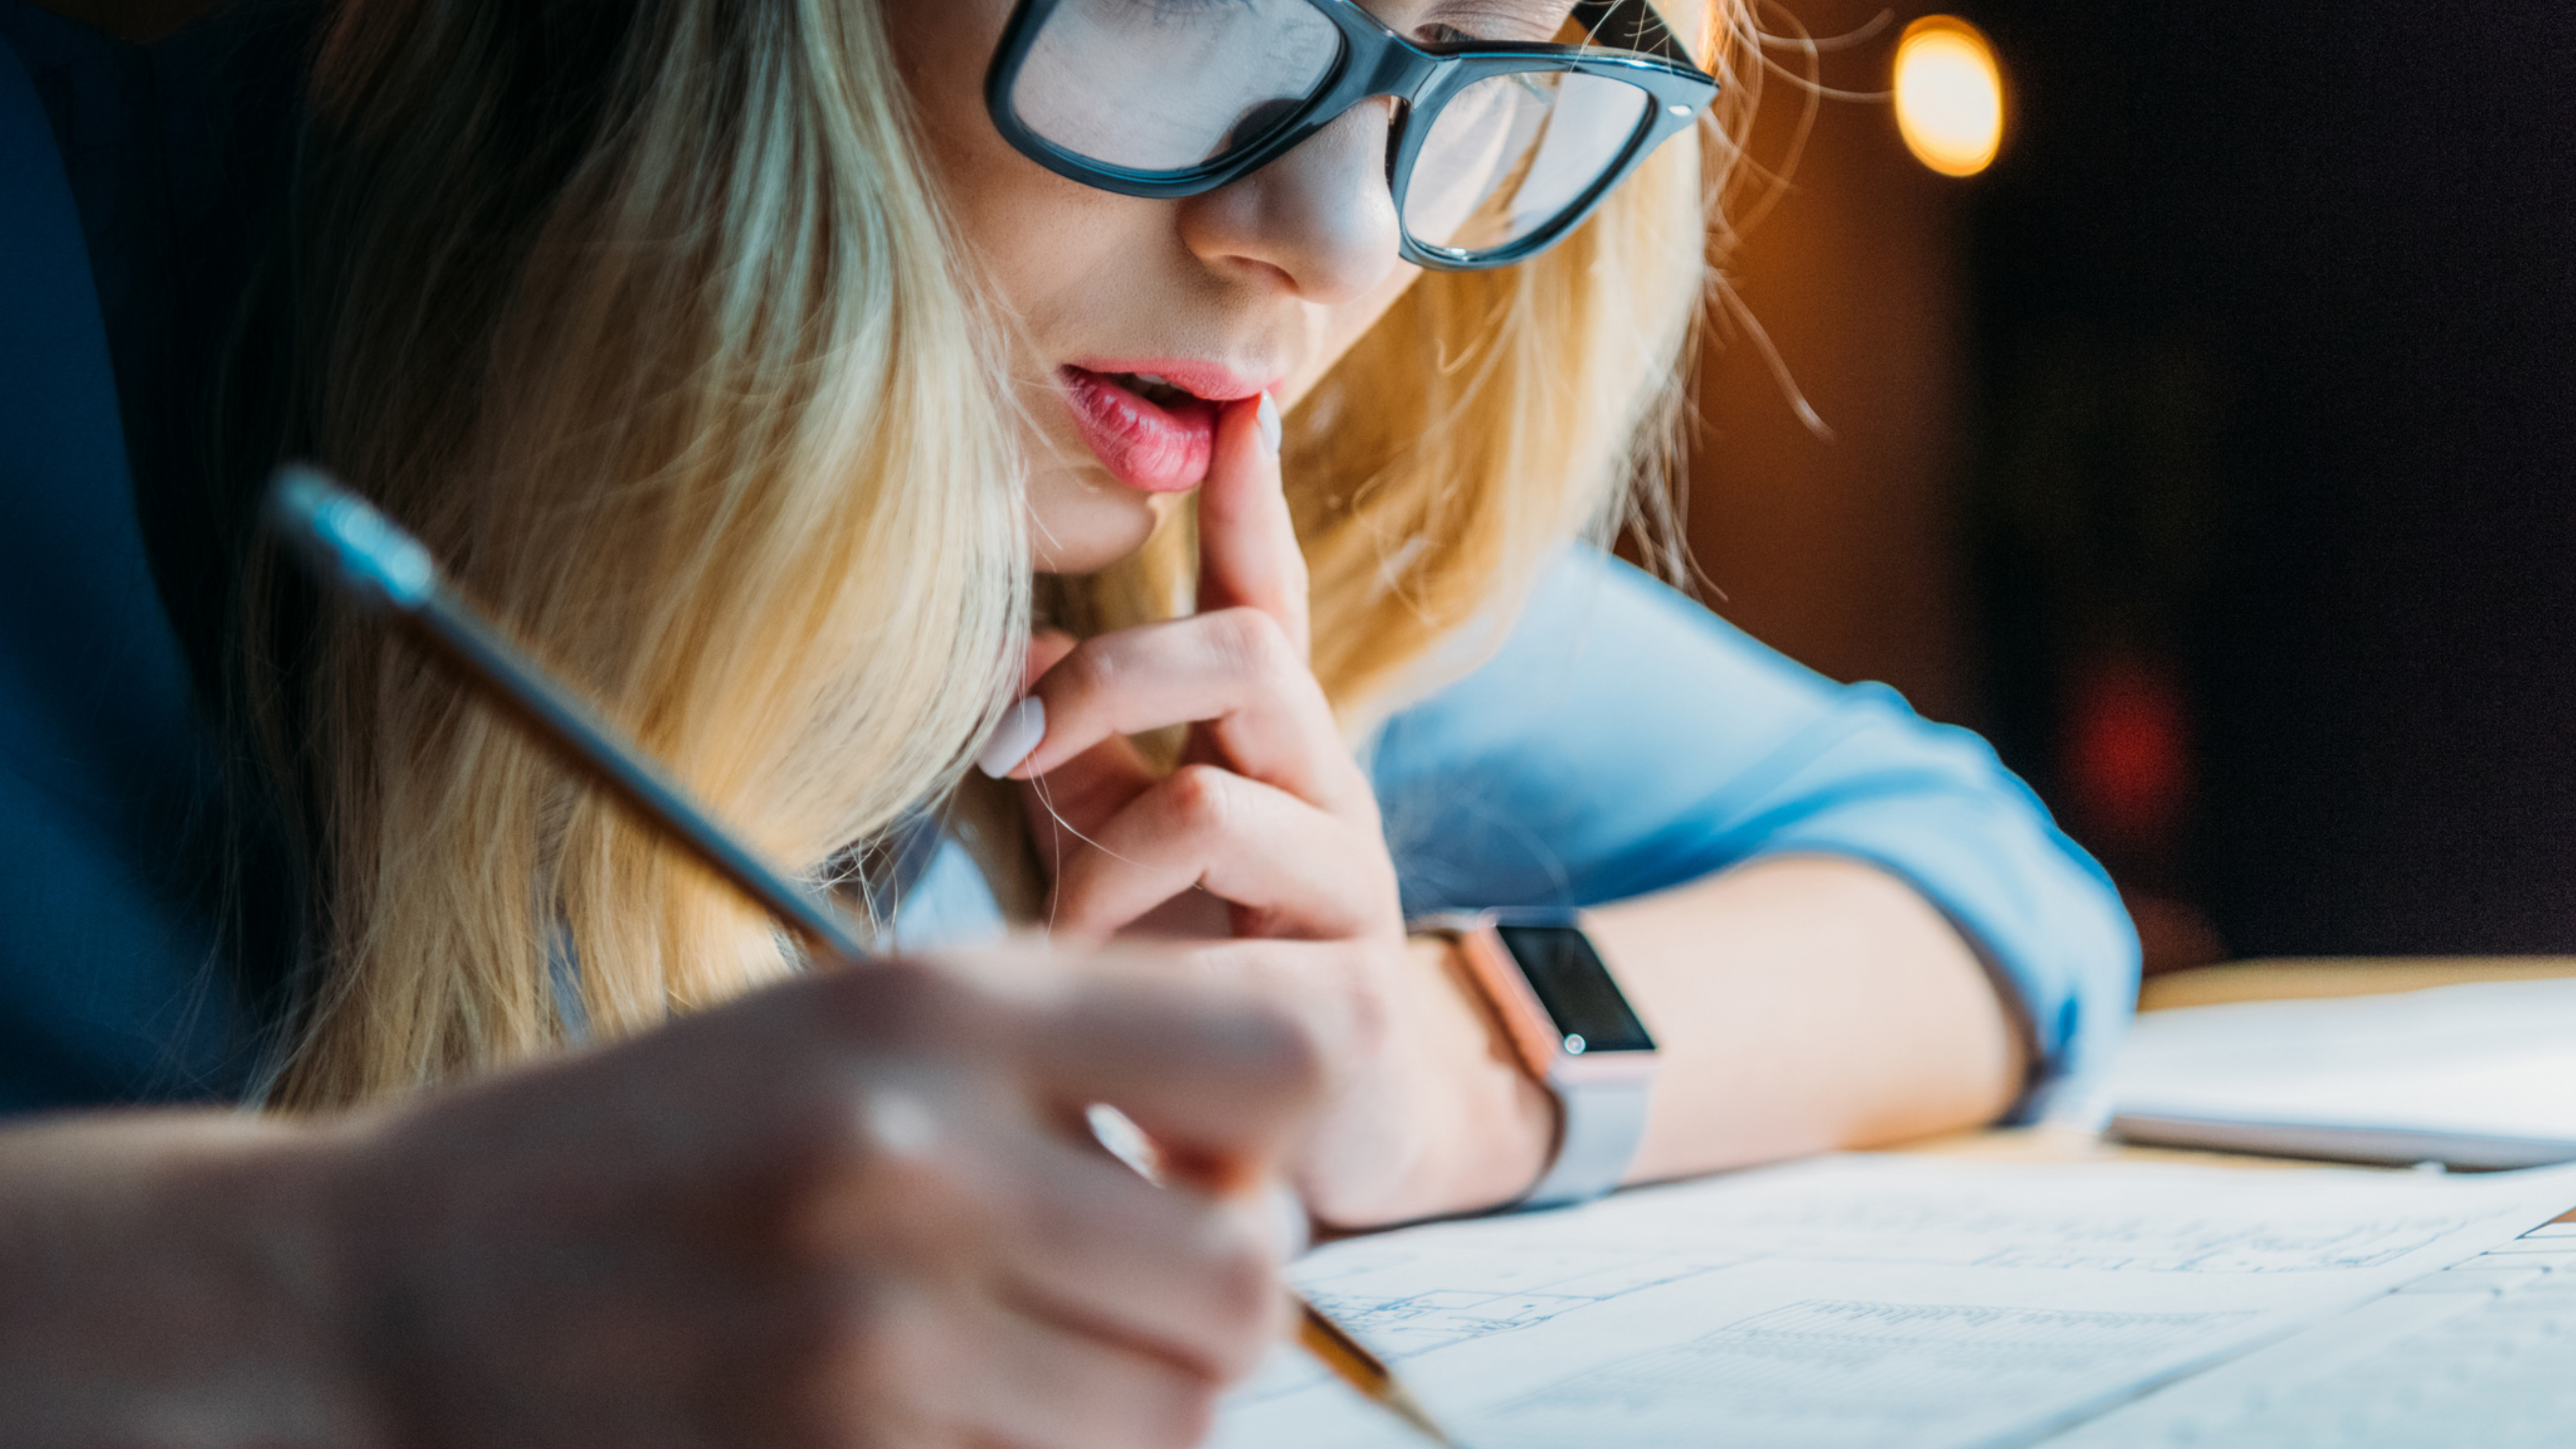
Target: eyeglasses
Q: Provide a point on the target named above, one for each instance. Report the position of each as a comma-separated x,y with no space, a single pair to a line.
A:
1499,148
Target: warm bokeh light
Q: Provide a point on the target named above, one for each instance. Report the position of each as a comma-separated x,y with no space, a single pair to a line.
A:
1949,95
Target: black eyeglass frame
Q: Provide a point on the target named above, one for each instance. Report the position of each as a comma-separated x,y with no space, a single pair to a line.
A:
1374,61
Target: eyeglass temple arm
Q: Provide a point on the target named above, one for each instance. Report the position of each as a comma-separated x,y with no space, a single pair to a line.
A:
1631,25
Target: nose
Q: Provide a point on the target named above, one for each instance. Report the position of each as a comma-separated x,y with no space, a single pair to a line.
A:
1320,217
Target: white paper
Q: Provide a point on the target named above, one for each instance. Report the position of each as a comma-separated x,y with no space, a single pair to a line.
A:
2493,1059
1861,1300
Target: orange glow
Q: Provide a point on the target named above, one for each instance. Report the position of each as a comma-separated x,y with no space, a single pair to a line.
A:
1949,95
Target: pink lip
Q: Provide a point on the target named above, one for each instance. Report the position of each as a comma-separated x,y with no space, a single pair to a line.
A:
1147,445
1211,380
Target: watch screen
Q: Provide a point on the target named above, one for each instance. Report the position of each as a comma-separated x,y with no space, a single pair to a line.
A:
1576,988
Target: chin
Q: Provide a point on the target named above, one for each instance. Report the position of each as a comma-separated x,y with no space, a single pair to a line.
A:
1081,525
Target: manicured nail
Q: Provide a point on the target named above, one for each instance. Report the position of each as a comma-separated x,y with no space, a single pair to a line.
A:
1270,429
1125,1140
1023,726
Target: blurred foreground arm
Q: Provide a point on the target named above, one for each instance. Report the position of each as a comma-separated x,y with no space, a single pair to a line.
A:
856,1210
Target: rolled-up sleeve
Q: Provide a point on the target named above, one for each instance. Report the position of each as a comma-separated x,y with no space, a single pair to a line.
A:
1624,740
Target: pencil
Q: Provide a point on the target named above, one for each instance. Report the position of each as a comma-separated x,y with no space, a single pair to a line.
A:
1353,1364
352,547
347,543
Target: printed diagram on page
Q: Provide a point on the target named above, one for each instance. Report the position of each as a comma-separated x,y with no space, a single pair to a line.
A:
1861,1301
1409,1299
1405,1302
1854,1368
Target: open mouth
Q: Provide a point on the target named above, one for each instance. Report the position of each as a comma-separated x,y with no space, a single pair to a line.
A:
1161,392
1151,433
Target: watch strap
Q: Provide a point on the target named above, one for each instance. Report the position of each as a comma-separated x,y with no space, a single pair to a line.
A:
1600,1125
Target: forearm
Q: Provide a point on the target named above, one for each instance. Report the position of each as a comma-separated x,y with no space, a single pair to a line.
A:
162,1282
1801,1005
1806,1004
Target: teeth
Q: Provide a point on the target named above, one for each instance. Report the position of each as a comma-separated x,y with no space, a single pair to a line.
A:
1153,381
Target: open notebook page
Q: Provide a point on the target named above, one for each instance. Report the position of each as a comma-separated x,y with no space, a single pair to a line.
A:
1860,1300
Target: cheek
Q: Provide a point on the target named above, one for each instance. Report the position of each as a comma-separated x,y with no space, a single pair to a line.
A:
1058,256
1006,205
1061,258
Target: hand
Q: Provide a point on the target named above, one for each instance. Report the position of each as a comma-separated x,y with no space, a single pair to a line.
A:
858,1210
1270,816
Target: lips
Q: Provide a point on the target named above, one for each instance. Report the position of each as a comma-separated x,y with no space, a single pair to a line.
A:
1152,425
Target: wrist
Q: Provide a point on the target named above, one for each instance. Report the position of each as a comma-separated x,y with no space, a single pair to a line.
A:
181,1267
1494,1128
324,1274
279,1205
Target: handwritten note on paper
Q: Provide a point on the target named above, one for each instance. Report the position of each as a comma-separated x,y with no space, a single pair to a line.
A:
1862,1301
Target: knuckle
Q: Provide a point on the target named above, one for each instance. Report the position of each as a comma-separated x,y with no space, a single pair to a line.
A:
1201,799
932,1198
1087,673
884,1159
1252,644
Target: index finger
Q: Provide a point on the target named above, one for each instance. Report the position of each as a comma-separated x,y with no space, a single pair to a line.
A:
1248,554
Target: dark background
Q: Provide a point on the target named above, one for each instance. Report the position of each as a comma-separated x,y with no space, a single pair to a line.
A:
2225,434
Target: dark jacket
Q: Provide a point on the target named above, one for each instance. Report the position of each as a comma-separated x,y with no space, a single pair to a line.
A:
136,184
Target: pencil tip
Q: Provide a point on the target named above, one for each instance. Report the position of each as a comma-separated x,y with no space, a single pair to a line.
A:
1407,1408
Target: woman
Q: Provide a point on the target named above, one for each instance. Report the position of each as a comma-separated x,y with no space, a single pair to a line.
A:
712,345
737,356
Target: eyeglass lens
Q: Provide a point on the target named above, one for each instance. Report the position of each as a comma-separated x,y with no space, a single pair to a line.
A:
1165,86
1511,153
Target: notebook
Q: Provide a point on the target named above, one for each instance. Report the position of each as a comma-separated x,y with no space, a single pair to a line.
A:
2476,1077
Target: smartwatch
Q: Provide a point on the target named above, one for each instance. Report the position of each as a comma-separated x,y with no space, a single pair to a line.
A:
1575,1033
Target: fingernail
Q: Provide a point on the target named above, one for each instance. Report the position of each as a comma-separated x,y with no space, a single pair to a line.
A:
1126,1141
1023,726
1271,431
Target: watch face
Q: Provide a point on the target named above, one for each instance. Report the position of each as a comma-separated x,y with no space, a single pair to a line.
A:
1576,989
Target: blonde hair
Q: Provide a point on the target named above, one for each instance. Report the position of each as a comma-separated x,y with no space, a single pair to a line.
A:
641,315
644,316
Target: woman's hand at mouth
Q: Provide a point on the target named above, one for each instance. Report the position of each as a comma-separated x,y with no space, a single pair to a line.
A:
1270,817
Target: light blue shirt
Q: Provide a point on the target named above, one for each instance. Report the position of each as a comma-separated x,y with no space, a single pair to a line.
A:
1624,739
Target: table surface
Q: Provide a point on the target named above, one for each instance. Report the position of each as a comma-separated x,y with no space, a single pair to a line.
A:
2339,976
